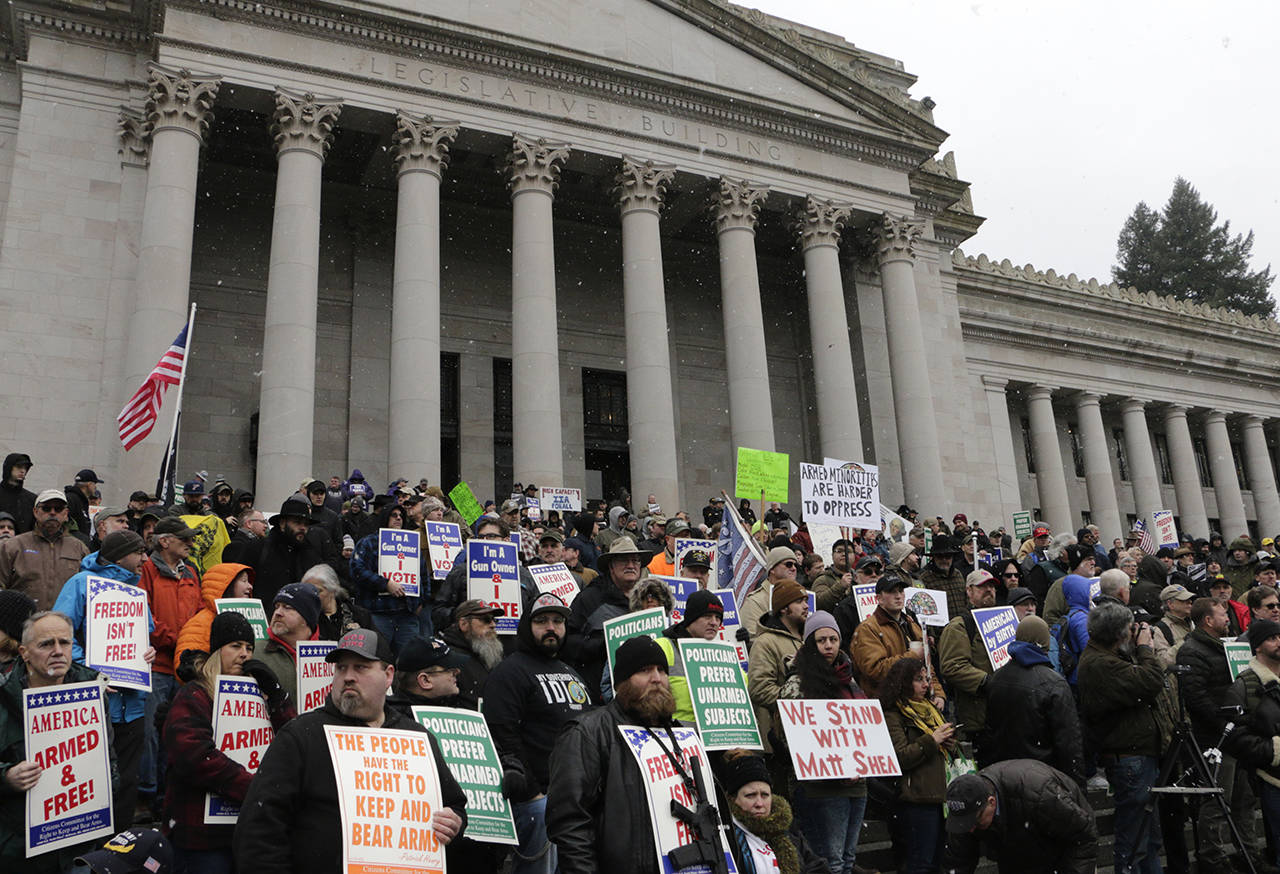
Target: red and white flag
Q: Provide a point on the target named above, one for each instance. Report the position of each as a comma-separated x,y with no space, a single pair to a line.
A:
1146,542
139,414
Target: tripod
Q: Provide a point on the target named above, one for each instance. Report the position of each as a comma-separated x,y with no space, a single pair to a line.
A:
1184,770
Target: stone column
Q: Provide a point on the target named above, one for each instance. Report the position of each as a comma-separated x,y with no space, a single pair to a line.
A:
303,130
839,431
1262,479
1098,478
922,482
750,408
650,401
1002,443
1142,461
533,171
1225,482
1186,473
421,155
178,112
1055,504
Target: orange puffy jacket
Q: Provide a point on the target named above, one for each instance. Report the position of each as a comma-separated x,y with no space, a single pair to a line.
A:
195,633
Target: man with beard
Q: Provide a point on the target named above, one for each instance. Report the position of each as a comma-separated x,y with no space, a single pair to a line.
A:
283,556
290,819
598,812
606,598
475,638
295,616
964,664
528,698
41,560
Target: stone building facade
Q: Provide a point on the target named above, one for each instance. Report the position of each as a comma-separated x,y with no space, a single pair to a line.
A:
571,243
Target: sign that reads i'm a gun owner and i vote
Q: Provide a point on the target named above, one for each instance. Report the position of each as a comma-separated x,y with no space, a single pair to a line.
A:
555,579
315,673
468,750
444,542
847,495
249,608
117,632
399,559
493,576
388,790
834,739
718,690
241,731
65,730
563,500
998,627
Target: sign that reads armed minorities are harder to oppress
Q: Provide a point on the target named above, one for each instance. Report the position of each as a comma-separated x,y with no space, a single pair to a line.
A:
998,626
241,731
117,632
249,608
759,471
649,622
315,674
493,576
718,690
444,542
388,790
399,559
848,496
833,738
66,735
472,758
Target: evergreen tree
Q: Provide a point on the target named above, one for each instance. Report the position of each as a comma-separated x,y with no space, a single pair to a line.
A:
1183,251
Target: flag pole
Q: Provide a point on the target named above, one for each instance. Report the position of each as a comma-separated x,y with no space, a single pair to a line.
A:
171,448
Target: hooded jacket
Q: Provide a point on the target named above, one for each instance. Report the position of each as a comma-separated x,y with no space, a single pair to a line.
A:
1073,632
355,485
606,538
1240,573
772,652
1031,713
16,500
194,634
174,598
1152,578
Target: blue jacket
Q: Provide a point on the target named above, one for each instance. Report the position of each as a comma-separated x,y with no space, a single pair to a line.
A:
371,586
126,704
1075,589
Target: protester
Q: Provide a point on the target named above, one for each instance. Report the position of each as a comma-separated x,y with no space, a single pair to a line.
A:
1255,744
1240,565
941,574
703,617
397,615
15,499
474,637
295,617
1077,561
836,579
1263,603
338,612
283,556
888,635
766,837
1237,613
772,650
426,676
780,566
606,598
224,580
964,664
40,560
1176,622
866,573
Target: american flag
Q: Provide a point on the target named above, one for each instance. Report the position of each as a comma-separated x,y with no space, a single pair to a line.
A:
139,414
1146,542
741,562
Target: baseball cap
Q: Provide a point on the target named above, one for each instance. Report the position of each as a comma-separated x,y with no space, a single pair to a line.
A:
551,534
476,607
110,512
364,642
1175,591
511,505
88,476
419,654
132,850
868,561
696,558
966,796
548,603
979,577
675,527
890,582
193,487
1018,594
1040,531
1268,541
175,526
50,495
139,496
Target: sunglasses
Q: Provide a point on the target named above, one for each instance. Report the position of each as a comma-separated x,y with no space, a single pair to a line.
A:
790,564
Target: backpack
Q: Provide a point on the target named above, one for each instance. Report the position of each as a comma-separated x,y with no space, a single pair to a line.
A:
1068,658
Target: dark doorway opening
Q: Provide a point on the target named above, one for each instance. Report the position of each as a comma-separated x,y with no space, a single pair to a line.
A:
606,432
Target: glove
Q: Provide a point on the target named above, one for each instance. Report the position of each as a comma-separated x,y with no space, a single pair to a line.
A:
515,782
267,683
189,665
743,635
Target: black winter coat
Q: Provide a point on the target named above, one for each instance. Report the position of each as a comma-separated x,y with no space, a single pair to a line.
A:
1031,713
1120,700
1256,742
17,501
448,593
1207,688
276,560
290,819
473,674
584,647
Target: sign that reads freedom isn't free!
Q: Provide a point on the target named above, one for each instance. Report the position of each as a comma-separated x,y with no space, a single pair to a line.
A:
117,632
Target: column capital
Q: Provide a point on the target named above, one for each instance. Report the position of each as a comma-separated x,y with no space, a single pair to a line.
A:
737,204
1040,392
1175,411
821,222
180,100
642,185
1085,398
995,383
1131,404
304,122
1254,420
1215,416
896,240
422,143
135,137
533,164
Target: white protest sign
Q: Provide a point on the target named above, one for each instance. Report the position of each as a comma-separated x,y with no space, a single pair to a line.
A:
117,632
663,784
242,732
998,626
847,495
444,542
555,579
730,624
388,790
824,538
895,527
564,500
315,675
1166,530
66,735
493,576
533,509
681,588
685,545
866,600
399,559
832,739
929,605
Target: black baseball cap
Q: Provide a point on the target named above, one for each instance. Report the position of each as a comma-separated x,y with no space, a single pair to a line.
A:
419,654
364,642
966,796
890,582
131,851
88,476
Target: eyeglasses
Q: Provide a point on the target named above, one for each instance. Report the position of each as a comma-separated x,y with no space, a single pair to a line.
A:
790,564
1271,605
1012,576
492,535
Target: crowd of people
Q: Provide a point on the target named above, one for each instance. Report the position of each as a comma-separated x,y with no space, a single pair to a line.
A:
1113,645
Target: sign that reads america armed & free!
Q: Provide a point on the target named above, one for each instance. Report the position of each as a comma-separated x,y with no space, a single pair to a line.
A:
117,632
315,674
399,558
998,626
493,576
718,690
468,749
848,495
444,542
251,609
649,622
555,579
241,731
832,739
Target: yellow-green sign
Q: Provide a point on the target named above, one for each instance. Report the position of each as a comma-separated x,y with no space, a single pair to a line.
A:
464,501
758,471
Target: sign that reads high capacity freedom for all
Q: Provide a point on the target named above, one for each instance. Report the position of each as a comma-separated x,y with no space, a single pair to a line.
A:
493,576
117,631
472,758
847,495
398,558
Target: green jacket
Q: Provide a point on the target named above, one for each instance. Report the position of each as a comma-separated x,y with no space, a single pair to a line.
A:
284,664
924,769
828,589
1121,701
965,667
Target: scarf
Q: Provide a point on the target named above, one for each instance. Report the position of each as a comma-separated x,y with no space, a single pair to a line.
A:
774,829
925,717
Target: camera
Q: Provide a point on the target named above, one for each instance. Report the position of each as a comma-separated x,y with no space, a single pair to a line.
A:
1142,617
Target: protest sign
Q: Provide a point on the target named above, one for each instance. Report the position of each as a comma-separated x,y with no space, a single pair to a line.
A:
866,600
493,576
564,500
117,632
251,609
685,544
242,731
1238,655
1166,530
555,579
1022,525
758,471
721,705
468,750
400,559
824,538
647,622
66,735
997,625
1095,588
847,495
315,675
929,606
895,527
730,624
464,501
663,784
444,542
388,790
681,588
533,509
837,738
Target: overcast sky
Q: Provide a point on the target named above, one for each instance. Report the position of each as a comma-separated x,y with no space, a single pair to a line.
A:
1064,115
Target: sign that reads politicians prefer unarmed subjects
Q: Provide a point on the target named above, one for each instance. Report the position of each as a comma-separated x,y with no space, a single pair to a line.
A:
388,790
468,750
649,623
444,542
66,736
315,674
718,690
998,626
761,471
241,731
1238,655
493,576
555,579
249,608
399,559
1022,524
117,632
564,500
848,495
832,739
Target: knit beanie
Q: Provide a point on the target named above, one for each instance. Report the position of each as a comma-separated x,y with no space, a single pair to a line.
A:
228,628
636,654
1035,630
738,772
820,619
786,592
15,608
119,544
701,603
303,598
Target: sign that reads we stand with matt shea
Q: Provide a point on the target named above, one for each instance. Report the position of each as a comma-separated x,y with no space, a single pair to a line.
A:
833,739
